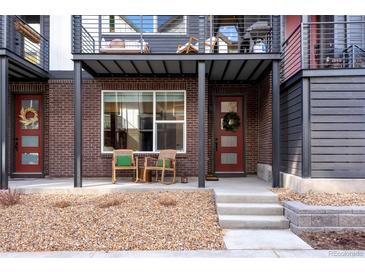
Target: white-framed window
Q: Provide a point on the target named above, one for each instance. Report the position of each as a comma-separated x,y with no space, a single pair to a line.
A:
146,121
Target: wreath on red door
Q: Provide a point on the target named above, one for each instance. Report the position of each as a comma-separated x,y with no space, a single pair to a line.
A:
27,119
231,121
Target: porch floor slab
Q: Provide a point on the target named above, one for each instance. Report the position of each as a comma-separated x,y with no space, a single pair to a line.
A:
263,239
249,184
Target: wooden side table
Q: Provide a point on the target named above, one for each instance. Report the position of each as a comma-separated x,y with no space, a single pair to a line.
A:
148,175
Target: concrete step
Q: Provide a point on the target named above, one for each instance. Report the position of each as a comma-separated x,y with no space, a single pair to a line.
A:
253,222
249,209
246,198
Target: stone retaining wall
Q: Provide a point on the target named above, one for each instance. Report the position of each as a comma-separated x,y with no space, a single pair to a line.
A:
309,218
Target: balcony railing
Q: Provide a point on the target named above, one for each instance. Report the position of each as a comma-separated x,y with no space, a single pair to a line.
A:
179,34
324,45
20,38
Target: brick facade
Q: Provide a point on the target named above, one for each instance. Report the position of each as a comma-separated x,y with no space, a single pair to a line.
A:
94,162
265,120
59,121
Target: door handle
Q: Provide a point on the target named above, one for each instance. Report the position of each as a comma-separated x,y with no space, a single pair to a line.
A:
16,144
216,144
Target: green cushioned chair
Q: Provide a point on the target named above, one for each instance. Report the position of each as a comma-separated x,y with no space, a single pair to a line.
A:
123,159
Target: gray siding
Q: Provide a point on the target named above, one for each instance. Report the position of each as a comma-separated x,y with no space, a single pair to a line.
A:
338,127
291,129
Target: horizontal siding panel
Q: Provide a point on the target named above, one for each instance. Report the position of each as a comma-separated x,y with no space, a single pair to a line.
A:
291,123
338,142
339,95
338,174
291,116
291,150
336,86
288,104
338,158
291,109
338,118
342,80
291,137
329,166
291,144
338,126
338,150
338,110
338,134
338,103
291,129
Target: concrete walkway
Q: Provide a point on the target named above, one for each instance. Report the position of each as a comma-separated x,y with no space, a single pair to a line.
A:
104,185
263,239
194,254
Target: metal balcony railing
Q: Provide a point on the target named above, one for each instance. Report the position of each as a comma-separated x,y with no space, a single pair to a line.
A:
20,38
324,45
291,56
177,34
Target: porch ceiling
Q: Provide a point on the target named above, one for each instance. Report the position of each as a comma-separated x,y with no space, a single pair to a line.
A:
219,67
217,70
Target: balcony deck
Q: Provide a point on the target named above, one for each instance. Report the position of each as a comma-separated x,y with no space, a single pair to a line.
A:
234,48
25,48
325,47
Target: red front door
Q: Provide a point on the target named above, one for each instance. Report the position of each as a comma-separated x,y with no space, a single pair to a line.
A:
229,135
28,133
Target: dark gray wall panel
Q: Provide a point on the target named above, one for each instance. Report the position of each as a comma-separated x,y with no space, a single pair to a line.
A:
338,127
291,131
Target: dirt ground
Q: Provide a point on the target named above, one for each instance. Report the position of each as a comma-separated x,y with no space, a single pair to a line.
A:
335,240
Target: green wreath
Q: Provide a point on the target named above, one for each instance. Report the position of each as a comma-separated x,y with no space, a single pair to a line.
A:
231,121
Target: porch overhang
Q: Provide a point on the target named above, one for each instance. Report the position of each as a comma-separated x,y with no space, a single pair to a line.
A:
218,67
21,69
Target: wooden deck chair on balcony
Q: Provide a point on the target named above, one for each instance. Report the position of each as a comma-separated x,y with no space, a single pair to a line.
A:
192,46
123,159
166,161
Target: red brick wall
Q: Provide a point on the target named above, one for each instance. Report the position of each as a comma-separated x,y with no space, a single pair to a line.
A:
251,135
265,121
59,121
94,162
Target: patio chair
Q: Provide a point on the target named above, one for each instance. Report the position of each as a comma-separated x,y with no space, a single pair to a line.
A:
192,46
123,159
166,161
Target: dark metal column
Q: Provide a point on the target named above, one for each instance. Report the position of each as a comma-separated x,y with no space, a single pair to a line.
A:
201,118
276,124
78,124
306,147
4,113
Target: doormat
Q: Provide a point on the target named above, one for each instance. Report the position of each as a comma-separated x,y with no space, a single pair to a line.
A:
211,177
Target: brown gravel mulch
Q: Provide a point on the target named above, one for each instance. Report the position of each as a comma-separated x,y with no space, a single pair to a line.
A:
347,240
314,198
119,221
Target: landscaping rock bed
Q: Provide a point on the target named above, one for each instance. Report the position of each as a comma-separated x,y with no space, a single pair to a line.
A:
168,220
321,199
348,240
